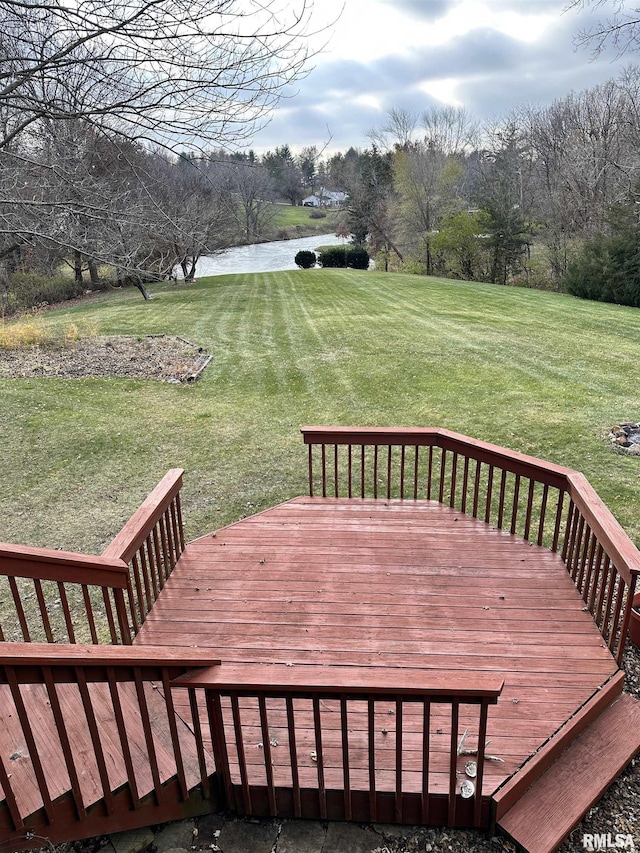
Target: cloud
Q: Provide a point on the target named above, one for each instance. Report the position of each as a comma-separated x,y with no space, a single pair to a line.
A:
488,69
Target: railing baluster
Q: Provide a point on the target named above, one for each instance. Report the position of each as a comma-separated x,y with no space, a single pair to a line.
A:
350,469
175,740
154,569
219,744
487,511
17,601
138,608
317,730
619,594
443,471
336,490
30,742
65,744
98,749
346,769
527,520
398,792
148,735
109,614
324,471
402,457
123,736
454,476
516,505
543,513
242,759
416,468
10,797
476,488
310,470
591,588
66,611
465,485
558,524
503,484
426,746
429,473
89,611
375,471
197,730
293,757
482,736
453,763
389,472
268,761
371,734
42,605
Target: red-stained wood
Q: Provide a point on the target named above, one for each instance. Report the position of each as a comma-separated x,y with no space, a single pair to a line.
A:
381,593
544,816
134,533
67,567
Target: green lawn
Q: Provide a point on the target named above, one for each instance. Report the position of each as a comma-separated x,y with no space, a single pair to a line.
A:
289,216
542,373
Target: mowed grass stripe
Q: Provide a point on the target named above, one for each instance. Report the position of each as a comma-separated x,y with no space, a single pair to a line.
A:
542,373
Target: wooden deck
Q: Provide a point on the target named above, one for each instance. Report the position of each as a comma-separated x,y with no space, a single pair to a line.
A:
432,636
325,582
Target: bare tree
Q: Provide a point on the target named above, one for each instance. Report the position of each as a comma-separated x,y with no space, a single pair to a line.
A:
160,70
620,28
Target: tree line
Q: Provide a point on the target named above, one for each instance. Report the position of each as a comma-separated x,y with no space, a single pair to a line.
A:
518,201
97,100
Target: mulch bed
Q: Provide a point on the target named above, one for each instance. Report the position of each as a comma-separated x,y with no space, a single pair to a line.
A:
170,359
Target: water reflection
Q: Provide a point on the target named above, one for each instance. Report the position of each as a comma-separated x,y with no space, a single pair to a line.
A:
261,257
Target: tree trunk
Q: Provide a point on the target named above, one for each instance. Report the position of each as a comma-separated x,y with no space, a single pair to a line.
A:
93,274
77,266
140,285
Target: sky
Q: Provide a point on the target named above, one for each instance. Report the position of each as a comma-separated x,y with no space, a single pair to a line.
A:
488,56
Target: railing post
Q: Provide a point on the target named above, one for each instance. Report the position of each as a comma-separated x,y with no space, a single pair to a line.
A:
123,617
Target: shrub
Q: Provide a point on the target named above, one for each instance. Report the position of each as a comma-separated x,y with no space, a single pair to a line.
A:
305,259
317,214
333,257
358,258
30,289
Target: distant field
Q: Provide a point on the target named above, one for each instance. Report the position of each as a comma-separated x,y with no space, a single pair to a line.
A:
288,216
542,373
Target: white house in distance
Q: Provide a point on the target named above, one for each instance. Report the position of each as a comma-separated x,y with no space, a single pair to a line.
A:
325,198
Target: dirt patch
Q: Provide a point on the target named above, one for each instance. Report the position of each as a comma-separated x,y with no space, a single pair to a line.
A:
169,359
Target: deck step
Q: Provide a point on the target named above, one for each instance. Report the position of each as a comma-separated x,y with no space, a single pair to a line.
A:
544,816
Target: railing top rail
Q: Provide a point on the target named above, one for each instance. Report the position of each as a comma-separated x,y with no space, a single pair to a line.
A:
610,534
281,678
493,454
27,659
125,544
65,566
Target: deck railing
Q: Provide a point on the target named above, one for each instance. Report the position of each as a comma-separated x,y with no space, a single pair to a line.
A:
57,596
349,743
541,502
151,543
101,701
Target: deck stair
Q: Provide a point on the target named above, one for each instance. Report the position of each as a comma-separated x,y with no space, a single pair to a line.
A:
544,815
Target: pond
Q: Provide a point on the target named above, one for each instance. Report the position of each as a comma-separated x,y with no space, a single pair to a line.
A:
260,257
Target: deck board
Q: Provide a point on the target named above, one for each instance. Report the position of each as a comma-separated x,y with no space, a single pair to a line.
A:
405,584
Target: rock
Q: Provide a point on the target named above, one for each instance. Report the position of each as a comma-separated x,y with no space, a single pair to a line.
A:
348,836
240,837
175,836
634,450
132,841
301,836
209,827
